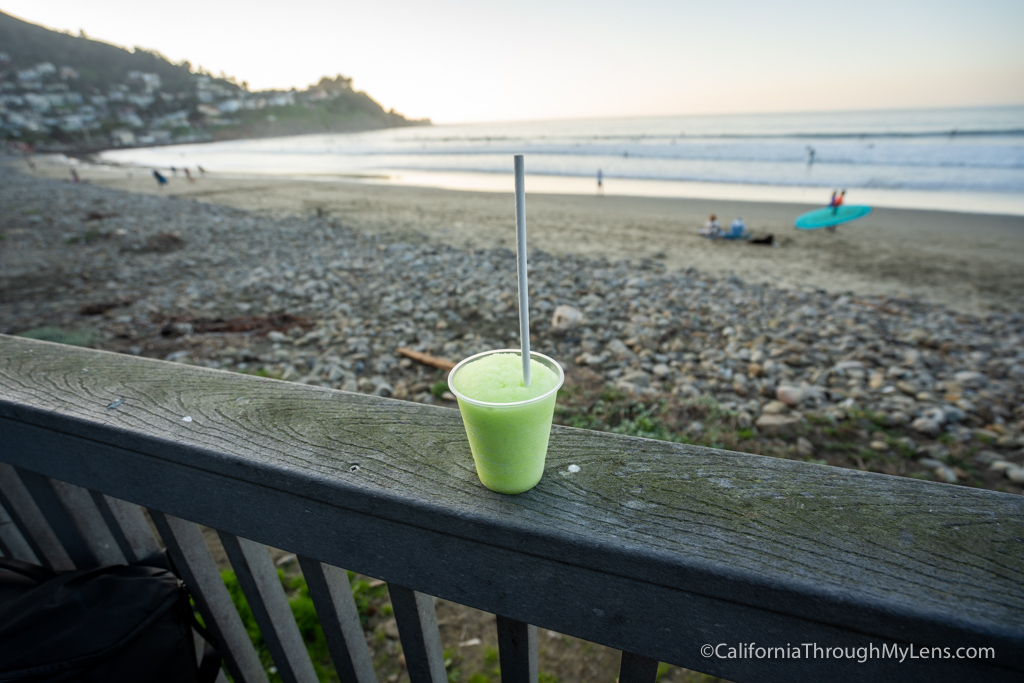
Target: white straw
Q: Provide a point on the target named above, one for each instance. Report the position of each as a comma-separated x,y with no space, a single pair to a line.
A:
524,290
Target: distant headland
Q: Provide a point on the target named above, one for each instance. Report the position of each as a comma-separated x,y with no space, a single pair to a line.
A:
66,93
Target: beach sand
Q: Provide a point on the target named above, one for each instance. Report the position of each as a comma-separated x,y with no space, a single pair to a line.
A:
971,262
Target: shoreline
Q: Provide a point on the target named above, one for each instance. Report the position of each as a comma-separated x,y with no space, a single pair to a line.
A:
970,262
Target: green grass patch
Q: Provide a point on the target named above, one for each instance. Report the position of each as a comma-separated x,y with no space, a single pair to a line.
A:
902,449
439,388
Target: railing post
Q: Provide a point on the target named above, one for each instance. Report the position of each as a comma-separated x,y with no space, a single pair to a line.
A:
57,516
637,669
31,522
258,577
421,640
12,542
336,609
89,522
517,651
128,525
196,567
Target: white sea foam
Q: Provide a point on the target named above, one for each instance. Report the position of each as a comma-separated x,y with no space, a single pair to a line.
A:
951,151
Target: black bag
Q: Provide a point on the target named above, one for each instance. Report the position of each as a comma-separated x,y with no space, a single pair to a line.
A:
126,623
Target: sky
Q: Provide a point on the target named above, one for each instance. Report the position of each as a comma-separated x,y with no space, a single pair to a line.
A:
459,61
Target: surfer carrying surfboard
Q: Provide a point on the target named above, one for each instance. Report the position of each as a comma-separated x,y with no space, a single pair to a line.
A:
832,215
837,201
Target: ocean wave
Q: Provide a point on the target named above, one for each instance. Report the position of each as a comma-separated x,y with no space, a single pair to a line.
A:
972,150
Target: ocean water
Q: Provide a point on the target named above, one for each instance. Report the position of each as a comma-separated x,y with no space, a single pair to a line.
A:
958,159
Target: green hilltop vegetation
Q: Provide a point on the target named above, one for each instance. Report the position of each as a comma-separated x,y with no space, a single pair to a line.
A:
61,91
99,65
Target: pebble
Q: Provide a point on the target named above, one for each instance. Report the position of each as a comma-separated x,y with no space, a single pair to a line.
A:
775,408
791,396
355,298
926,426
778,425
565,318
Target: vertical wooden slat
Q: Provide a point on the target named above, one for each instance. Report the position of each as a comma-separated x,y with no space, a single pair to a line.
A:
421,640
336,609
258,577
12,541
517,651
30,521
60,521
89,523
637,669
128,525
194,563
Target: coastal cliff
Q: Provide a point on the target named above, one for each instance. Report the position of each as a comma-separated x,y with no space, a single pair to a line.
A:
62,92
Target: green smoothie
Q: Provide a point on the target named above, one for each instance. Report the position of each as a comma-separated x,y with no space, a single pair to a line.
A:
507,424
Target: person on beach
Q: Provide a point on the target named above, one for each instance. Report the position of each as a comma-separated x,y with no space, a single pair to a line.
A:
738,229
600,182
837,201
711,229
160,179
74,176
188,174
202,171
174,171
810,155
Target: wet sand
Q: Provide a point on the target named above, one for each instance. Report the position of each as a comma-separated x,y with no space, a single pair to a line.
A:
971,262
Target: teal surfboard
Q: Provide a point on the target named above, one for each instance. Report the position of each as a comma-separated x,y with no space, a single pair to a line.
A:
824,218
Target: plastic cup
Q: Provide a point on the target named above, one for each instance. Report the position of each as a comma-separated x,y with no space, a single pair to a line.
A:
509,440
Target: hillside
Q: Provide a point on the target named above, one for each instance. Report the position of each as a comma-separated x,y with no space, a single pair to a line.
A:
59,91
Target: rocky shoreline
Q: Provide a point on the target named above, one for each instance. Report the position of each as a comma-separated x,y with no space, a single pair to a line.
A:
880,383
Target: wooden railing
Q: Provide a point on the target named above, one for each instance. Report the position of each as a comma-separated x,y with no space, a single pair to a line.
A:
653,548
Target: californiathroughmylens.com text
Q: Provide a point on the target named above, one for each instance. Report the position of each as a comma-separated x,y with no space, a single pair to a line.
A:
859,654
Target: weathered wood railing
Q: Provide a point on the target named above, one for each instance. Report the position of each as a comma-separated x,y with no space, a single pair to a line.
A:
653,548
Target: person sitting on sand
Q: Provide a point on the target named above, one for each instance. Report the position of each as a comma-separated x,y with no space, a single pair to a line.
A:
738,229
711,228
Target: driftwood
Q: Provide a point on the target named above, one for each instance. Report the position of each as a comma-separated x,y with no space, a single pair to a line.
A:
426,358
